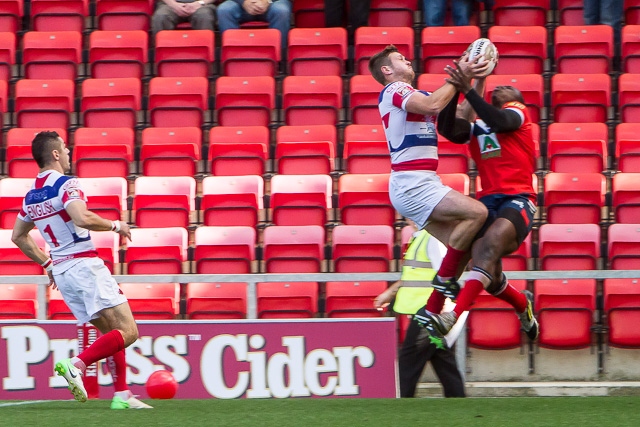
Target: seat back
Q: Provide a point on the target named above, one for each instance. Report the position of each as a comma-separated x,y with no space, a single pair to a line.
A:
184,53
293,249
522,48
362,248
224,250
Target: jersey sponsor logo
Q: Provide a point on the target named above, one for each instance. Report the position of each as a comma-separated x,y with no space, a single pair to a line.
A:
40,210
38,194
487,141
403,91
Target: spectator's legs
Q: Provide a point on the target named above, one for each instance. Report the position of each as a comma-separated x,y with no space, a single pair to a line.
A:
591,11
204,18
230,15
334,13
461,11
359,13
279,17
611,14
164,19
434,12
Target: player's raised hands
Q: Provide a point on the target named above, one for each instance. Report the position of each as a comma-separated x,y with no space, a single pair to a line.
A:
458,78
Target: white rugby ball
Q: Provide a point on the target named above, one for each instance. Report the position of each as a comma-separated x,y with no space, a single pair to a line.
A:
486,48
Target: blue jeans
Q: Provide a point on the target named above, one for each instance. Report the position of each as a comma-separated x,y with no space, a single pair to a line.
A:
231,15
607,12
435,11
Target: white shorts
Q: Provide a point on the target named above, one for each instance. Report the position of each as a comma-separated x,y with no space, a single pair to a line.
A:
88,287
415,194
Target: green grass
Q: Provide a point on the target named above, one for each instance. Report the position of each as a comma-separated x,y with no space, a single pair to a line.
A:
494,412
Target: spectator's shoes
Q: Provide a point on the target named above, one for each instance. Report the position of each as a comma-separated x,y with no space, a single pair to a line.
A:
527,319
437,325
450,288
130,403
65,369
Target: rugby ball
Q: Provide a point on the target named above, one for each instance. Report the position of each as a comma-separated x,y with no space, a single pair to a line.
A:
486,48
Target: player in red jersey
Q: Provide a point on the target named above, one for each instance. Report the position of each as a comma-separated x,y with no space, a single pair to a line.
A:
502,147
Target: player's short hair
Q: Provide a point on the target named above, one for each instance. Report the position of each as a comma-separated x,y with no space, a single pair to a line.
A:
380,59
510,93
42,146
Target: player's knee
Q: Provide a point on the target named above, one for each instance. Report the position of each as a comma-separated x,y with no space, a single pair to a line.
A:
130,334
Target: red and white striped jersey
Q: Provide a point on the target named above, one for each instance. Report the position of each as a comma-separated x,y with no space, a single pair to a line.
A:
45,205
412,138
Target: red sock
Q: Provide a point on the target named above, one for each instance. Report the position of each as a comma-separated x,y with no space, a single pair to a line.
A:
435,302
450,263
105,346
474,284
118,367
511,295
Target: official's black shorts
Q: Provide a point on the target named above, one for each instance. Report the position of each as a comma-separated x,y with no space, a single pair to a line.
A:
518,209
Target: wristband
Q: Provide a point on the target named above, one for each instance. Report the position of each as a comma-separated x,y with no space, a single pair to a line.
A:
115,226
47,265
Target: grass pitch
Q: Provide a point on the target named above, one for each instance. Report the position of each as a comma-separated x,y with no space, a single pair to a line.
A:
493,412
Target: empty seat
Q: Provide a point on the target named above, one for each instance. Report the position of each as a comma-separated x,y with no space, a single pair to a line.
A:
170,151
18,157
626,197
178,101
312,100
12,261
622,309
184,53
631,12
308,13
520,12
11,13
530,85
309,133
7,53
352,299
217,300
583,49
518,260
362,248
156,250
363,199
18,301
119,15
366,149
44,103
458,181
629,98
305,150
364,92
103,152
371,40
153,301
580,98
232,200
300,199
522,49
250,52
238,150
624,246
570,12
317,51
431,82
574,198
392,13
166,201
279,300
224,250
108,246
118,54
628,147
59,15
112,102
577,147
630,52
242,100
569,246
441,45
51,55
106,196
57,309
452,158
565,310
293,249
12,192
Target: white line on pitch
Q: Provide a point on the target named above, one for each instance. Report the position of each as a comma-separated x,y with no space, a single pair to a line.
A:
27,402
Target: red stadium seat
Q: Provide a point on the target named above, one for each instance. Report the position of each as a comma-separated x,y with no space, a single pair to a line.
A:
580,98
570,12
232,200
311,133
518,260
363,199
111,102
107,245
170,151
522,49
57,309
577,147
20,163
441,45
305,158
308,13
118,54
631,48
164,201
106,196
371,40
119,15
452,158
293,249
392,13
238,150
584,49
315,100
362,248
59,15
12,192
520,12
628,147
242,100
178,101
280,300
153,301
366,149
43,103
300,199
622,309
530,85
569,246
629,98
352,299
7,53
251,52
11,13
493,324
626,197
631,12
225,250
156,250
51,55
624,246
458,181
431,82
18,301
216,300
565,311
574,198
364,92
12,261
184,53
103,152
317,51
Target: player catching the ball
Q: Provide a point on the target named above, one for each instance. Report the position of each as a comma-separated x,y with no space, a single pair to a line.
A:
502,146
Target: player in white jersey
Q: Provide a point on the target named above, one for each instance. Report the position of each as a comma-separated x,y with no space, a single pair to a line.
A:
57,206
409,121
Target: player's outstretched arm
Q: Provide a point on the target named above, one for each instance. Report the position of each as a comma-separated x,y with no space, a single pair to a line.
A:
84,218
